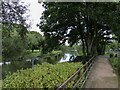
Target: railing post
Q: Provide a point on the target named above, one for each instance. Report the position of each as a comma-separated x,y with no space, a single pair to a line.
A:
78,74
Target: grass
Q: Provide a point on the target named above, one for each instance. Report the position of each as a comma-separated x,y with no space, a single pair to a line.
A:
56,52
29,54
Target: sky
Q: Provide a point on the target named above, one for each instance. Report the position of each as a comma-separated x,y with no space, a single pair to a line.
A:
35,12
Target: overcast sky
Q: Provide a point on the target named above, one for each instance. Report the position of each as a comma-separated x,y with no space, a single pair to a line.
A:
35,12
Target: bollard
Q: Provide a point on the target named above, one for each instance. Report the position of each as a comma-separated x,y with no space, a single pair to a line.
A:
111,55
32,60
115,55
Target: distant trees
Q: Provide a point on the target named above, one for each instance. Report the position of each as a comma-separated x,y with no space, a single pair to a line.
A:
90,23
34,40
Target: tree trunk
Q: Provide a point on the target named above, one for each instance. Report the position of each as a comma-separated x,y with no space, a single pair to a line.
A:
83,47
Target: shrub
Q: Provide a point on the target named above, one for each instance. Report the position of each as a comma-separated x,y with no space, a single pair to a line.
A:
43,76
115,62
118,66
14,66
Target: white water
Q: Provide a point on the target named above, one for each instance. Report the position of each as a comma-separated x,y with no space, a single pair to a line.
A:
66,57
1,63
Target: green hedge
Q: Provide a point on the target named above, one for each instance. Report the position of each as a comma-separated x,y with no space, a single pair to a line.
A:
43,76
115,62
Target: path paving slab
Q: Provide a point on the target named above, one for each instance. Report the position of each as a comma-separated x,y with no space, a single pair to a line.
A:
102,75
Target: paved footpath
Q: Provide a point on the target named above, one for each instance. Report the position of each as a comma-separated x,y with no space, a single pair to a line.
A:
102,75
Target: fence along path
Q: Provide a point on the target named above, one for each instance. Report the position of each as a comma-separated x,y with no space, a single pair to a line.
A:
80,75
102,75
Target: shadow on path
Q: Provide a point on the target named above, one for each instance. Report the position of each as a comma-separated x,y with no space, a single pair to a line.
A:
102,75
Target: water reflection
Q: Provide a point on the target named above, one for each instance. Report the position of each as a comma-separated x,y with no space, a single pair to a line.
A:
67,57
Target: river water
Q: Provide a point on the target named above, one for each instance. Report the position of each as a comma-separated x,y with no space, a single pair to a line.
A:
67,57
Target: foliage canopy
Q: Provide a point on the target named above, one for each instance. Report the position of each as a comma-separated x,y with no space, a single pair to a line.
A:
89,22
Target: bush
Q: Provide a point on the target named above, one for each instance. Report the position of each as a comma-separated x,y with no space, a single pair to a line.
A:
43,76
115,62
118,66
14,66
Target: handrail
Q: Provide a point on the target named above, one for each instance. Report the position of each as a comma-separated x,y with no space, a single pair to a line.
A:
69,79
88,73
76,73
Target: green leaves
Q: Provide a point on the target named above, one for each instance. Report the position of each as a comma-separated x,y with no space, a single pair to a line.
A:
86,22
115,62
13,46
14,28
34,40
43,76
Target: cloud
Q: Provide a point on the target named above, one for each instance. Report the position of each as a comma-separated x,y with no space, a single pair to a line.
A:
36,10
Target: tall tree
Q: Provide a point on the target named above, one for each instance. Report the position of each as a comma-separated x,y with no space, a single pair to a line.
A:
14,27
88,22
13,13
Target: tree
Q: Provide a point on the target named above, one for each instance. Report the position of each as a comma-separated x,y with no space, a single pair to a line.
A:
13,47
14,13
14,28
34,40
88,22
115,22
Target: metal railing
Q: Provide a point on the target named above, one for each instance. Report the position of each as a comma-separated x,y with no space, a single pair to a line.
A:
80,75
